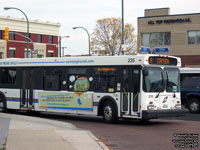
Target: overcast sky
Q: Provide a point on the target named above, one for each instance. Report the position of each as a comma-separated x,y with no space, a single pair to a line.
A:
70,13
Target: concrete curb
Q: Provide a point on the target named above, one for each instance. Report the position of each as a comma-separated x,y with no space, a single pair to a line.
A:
101,144
44,131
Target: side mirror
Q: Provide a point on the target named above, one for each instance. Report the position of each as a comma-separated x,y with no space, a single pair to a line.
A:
145,72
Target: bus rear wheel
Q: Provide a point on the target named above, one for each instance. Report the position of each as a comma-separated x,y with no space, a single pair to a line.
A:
109,112
2,104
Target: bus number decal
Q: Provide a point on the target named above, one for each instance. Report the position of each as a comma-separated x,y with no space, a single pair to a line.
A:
131,60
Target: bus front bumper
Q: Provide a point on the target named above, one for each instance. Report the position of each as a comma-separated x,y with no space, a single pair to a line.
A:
153,114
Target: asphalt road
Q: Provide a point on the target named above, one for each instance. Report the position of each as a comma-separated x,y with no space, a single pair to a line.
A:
132,134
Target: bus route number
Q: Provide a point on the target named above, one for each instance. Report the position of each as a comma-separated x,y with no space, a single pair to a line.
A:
131,60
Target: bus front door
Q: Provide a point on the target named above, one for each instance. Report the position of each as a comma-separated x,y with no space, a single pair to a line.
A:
130,90
26,91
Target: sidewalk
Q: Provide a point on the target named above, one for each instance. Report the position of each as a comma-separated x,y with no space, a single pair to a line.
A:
32,133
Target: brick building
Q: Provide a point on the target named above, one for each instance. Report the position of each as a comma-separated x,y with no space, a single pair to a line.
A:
44,36
180,33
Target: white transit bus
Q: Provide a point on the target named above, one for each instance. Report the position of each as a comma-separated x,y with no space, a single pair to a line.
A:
138,86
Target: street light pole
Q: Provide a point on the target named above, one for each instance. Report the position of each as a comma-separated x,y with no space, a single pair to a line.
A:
59,42
122,40
87,34
63,49
27,34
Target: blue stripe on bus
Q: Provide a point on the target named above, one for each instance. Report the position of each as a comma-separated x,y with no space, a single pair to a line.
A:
72,108
12,99
95,103
40,62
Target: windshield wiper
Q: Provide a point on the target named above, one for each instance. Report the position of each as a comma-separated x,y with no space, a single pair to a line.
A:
174,96
157,95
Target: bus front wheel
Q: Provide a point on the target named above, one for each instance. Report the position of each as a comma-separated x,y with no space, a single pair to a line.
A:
109,112
2,104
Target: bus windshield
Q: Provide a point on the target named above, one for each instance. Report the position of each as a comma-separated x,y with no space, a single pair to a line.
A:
154,81
158,80
172,80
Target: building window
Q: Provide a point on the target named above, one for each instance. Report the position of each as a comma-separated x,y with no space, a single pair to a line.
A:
194,37
12,36
39,56
1,55
0,34
12,53
39,38
50,53
50,39
156,39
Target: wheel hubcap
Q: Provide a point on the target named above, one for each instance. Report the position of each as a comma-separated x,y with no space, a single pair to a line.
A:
194,106
1,105
108,113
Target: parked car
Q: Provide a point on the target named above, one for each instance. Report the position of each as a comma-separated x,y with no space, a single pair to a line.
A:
190,93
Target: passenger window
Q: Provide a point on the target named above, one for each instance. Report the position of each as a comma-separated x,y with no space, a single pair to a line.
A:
104,79
52,79
8,76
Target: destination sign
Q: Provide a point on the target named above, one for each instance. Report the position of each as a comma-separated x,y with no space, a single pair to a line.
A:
162,61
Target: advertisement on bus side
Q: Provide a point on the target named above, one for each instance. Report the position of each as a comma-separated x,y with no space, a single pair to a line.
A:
73,101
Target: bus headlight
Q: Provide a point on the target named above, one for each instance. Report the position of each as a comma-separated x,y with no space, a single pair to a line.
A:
178,106
150,107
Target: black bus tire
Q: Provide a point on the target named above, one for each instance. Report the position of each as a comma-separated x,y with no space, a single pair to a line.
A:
3,106
109,112
144,121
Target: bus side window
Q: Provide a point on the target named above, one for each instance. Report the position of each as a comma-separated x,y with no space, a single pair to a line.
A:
100,83
105,79
37,75
8,76
52,79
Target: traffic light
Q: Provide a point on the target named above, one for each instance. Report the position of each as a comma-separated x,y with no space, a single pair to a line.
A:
6,34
